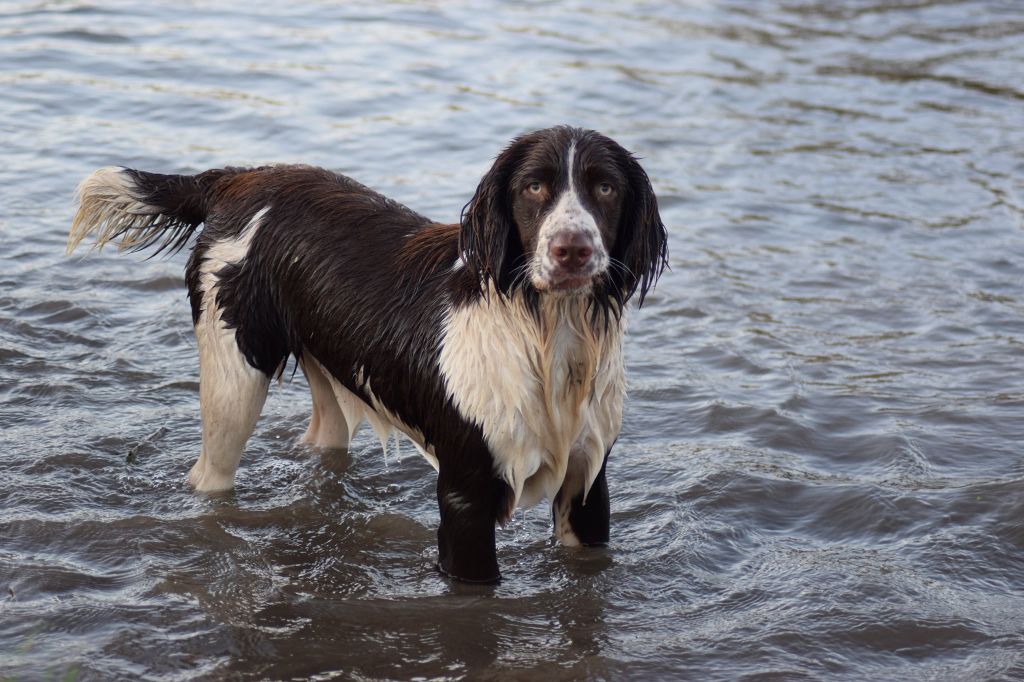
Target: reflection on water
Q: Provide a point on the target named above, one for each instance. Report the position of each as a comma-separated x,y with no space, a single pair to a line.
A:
819,474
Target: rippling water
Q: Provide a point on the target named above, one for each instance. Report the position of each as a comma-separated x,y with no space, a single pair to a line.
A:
820,472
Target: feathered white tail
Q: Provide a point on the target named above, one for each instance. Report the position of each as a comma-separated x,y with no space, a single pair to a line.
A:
137,209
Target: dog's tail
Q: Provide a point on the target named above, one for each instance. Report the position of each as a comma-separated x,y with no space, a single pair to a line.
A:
139,209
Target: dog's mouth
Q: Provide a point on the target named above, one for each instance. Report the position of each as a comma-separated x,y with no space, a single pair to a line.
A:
572,282
567,282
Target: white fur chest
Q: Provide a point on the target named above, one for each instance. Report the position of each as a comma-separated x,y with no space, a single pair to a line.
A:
544,392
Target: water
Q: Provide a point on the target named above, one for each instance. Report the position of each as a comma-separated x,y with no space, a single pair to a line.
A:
820,472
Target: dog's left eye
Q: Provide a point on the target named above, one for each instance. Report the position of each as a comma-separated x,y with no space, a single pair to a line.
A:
605,189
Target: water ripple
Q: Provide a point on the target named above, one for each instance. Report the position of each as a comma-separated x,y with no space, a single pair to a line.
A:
819,473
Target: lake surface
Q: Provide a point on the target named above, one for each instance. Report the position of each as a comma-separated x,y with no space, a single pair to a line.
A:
820,474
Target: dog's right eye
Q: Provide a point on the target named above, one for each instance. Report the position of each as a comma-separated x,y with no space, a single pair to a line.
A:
535,187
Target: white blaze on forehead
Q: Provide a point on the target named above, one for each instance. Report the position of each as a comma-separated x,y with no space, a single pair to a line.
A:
568,215
570,159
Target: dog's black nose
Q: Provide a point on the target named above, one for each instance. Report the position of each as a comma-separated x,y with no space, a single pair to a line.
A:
571,250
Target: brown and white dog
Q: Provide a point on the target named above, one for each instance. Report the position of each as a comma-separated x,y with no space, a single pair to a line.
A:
495,345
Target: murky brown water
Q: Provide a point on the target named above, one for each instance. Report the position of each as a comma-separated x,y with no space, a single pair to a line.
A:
820,473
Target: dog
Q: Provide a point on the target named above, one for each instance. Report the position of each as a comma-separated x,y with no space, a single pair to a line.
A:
494,344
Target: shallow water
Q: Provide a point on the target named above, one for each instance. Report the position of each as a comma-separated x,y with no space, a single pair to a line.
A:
820,471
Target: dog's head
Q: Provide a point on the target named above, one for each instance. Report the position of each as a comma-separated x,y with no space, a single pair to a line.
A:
565,210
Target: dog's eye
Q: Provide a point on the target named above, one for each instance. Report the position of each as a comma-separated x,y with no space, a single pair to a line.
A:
605,189
535,187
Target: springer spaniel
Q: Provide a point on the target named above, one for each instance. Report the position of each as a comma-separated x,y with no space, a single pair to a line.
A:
494,344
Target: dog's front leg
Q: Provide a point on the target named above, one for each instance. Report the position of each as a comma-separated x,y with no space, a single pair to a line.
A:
470,507
578,522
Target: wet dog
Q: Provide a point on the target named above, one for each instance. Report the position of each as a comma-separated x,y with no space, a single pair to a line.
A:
494,344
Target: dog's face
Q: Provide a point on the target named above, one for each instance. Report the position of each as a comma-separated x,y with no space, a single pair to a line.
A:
565,210
567,195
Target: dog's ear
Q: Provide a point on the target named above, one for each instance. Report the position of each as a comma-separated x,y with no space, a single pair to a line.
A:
641,246
488,240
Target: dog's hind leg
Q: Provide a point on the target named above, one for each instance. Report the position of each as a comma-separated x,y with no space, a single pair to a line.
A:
332,422
231,396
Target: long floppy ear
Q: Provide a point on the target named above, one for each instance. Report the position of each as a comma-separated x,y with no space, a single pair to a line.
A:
488,240
640,254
